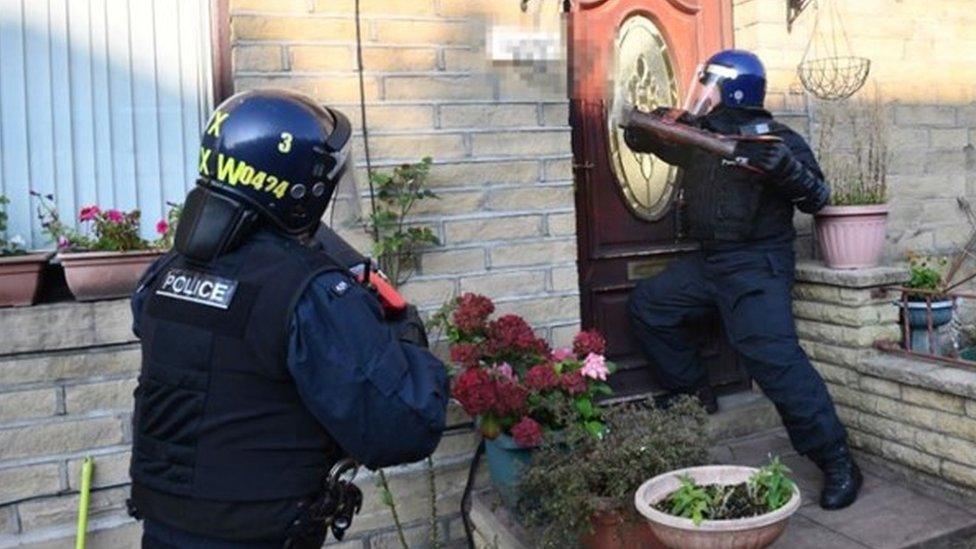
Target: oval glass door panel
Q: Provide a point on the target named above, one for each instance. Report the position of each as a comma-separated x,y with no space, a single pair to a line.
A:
642,75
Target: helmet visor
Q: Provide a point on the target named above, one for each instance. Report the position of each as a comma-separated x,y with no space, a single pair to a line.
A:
345,209
705,91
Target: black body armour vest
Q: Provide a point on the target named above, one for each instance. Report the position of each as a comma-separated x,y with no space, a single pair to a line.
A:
725,203
217,415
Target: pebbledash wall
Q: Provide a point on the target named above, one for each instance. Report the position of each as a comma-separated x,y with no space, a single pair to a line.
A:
499,134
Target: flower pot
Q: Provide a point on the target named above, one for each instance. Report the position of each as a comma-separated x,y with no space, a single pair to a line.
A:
506,461
852,237
105,275
612,530
918,322
682,533
20,278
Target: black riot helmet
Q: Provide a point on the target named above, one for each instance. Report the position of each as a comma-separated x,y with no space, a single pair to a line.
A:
277,152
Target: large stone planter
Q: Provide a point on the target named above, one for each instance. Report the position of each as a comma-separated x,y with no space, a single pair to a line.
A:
105,275
682,533
20,278
852,237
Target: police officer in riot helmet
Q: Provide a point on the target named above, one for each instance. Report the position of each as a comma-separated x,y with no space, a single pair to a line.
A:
743,219
266,367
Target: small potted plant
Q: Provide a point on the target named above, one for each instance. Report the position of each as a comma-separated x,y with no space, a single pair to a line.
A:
726,506
20,271
580,491
926,306
853,152
518,389
107,256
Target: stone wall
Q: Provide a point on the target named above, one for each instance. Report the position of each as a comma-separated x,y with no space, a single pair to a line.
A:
922,56
919,415
67,372
497,131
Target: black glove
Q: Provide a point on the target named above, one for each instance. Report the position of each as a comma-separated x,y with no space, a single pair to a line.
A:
772,157
411,327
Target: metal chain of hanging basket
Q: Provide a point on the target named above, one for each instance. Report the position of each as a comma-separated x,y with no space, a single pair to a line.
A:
826,70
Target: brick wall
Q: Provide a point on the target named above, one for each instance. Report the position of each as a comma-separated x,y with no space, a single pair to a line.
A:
919,416
498,133
922,57
67,373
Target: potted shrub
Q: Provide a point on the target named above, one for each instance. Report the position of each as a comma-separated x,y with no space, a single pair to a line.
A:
517,389
107,256
926,306
726,506
580,491
853,152
20,272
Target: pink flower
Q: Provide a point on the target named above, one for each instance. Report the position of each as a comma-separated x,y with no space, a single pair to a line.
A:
595,367
562,354
504,370
63,242
115,216
88,213
162,226
527,433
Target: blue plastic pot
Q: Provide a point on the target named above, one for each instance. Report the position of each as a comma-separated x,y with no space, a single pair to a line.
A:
918,320
506,461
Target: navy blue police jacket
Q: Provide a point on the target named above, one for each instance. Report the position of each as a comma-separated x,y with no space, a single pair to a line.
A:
381,399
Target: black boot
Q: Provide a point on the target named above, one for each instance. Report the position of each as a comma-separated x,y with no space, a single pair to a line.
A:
842,477
705,394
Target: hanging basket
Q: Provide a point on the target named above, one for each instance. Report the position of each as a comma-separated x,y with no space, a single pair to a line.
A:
834,78
829,70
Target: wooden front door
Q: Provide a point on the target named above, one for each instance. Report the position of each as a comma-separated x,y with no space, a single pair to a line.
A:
642,52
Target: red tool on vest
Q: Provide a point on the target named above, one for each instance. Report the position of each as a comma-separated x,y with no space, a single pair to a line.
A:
363,268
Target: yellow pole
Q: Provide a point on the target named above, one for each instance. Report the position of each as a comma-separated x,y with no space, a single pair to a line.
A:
86,474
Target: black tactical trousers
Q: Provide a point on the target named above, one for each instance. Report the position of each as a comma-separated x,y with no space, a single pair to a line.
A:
750,290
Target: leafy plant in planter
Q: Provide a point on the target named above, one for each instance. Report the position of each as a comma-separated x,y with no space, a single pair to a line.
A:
20,271
929,306
764,492
108,255
719,505
853,151
582,488
517,388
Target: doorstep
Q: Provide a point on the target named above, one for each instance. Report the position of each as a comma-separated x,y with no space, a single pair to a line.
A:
891,513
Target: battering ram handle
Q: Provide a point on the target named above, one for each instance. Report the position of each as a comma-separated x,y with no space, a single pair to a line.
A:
669,129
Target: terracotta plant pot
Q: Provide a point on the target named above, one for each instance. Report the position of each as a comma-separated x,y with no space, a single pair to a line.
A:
20,278
682,533
105,275
612,530
852,237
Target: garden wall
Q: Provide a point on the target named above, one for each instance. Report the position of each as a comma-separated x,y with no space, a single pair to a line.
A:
67,372
497,131
918,415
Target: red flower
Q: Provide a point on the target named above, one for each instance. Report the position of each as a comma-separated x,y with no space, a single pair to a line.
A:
475,390
466,354
574,383
542,377
472,312
88,213
162,226
511,334
115,216
589,342
527,433
509,398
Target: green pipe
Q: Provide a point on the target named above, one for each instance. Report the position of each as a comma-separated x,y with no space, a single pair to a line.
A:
86,474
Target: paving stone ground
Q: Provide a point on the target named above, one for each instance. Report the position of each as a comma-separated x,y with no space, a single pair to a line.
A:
889,513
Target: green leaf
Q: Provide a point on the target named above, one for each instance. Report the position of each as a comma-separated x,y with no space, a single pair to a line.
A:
596,429
585,407
386,497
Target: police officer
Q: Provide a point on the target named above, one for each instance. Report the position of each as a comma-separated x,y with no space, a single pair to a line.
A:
743,220
264,361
